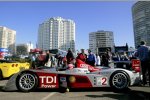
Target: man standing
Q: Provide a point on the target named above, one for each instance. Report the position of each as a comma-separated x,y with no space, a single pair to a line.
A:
143,55
91,60
69,56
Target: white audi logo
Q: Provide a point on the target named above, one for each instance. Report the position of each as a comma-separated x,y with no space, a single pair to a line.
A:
84,65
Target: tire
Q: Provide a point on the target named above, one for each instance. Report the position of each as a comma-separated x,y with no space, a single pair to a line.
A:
1,75
27,82
119,81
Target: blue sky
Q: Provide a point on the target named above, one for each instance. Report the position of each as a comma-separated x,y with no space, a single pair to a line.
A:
25,17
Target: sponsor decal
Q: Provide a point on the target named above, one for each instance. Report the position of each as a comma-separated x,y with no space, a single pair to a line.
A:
64,84
48,86
72,79
135,63
84,65
63,79
48,81
102,81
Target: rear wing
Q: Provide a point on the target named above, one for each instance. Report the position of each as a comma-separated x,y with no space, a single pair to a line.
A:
134,64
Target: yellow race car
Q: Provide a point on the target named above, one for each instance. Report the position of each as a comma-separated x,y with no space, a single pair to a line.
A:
8,68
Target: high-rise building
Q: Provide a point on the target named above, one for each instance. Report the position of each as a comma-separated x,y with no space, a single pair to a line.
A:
57,33
141,22
7,39
101,39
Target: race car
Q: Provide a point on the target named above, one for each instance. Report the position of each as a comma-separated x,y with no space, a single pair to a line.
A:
29,80
9,67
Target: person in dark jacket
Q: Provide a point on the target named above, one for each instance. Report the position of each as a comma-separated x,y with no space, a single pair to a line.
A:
105,59
69,56
91,60
143,54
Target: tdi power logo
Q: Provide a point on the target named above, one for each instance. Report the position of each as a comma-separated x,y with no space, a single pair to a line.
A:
48,81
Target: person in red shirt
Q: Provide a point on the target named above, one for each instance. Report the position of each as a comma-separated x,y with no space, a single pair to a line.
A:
41,58
82,56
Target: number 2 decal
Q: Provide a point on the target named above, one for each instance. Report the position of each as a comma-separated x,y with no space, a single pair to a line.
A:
104,80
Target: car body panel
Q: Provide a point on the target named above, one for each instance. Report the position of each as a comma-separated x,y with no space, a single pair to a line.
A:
10,68
83,76
49,78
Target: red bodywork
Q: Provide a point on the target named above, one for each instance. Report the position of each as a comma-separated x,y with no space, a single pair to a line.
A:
81,64
136,65
80,82
54,80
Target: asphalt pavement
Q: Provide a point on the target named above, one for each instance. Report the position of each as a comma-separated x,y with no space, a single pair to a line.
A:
133,93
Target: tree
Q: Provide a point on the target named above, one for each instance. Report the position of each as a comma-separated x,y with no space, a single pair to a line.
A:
21,50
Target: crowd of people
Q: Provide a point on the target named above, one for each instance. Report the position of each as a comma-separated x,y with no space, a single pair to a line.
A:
46,58
43,58
50,60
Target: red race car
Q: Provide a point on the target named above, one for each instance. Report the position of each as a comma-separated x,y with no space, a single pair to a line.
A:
85,76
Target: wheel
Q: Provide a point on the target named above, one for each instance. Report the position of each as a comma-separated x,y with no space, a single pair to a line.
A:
1,75
27,82
119,80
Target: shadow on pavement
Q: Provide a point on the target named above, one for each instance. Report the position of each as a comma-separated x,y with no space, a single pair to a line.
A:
128,94
71,90
125,95
1,88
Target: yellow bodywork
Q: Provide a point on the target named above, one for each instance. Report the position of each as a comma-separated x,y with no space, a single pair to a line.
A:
8,69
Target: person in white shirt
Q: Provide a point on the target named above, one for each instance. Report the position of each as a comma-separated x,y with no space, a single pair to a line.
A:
98,60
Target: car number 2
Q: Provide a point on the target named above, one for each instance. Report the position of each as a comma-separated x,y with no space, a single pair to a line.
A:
102,81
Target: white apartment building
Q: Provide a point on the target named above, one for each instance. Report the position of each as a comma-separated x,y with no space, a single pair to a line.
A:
29,46
57,33
101,39
7,39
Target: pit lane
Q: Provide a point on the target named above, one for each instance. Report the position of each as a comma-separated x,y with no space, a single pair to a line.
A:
134,93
